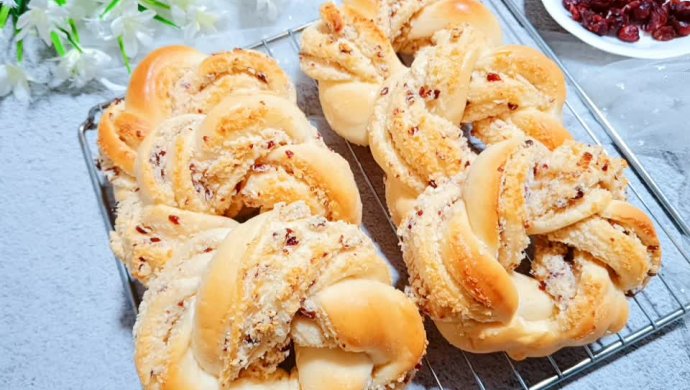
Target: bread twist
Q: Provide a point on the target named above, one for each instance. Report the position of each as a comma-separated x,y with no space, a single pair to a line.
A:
465,240
466,236
179,80
193,172
468,77
459,75
227,318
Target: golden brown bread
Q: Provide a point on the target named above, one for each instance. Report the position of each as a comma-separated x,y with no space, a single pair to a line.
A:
463,242
351,52
224,139
322,288
177,80
466,218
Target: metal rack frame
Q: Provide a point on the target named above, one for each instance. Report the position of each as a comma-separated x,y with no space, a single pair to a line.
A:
648,194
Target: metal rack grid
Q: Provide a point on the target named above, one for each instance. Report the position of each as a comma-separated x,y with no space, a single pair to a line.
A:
666,299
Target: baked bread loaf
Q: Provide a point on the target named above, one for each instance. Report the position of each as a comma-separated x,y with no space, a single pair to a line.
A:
468,78
467,218
465,244
177,80
460,75
238,156
323,291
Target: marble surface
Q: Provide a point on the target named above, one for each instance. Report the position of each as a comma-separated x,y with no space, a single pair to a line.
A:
64,320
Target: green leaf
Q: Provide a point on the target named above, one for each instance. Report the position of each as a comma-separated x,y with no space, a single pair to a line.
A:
20,51
156,3
61,2
166,21
75,32
121,43
159,18
57,42
110,7
4,14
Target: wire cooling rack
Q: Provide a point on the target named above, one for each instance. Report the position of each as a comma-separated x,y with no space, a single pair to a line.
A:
666,298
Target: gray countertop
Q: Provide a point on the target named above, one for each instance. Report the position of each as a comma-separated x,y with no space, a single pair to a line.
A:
65,321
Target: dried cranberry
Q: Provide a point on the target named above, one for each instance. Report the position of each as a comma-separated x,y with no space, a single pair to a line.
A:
600,5
657,19
682,28
616,19
680,9
594,22
629,33
493,77
575,12
641,11
664,33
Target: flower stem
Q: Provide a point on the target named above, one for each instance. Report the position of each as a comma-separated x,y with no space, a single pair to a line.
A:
74,41
4,14
125,58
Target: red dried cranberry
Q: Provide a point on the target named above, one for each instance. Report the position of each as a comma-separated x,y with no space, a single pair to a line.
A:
594,22
616,19
493,77
664,33
600,5
575,12
657,19
629,33
682,28
641,11
680,9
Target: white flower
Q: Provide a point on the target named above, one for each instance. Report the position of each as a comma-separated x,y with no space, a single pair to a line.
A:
83,10
134,27
183,4
43,15
194,19
14,79
268,8
80,67
9,3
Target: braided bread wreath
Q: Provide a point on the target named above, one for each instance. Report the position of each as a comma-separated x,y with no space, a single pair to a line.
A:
467,221
199,140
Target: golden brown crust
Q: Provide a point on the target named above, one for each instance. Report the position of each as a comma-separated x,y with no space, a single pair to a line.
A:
211,138
462,243
247,154
321,284
177,80
463,240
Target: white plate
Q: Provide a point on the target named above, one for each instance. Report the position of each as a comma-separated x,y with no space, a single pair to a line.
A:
646,47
